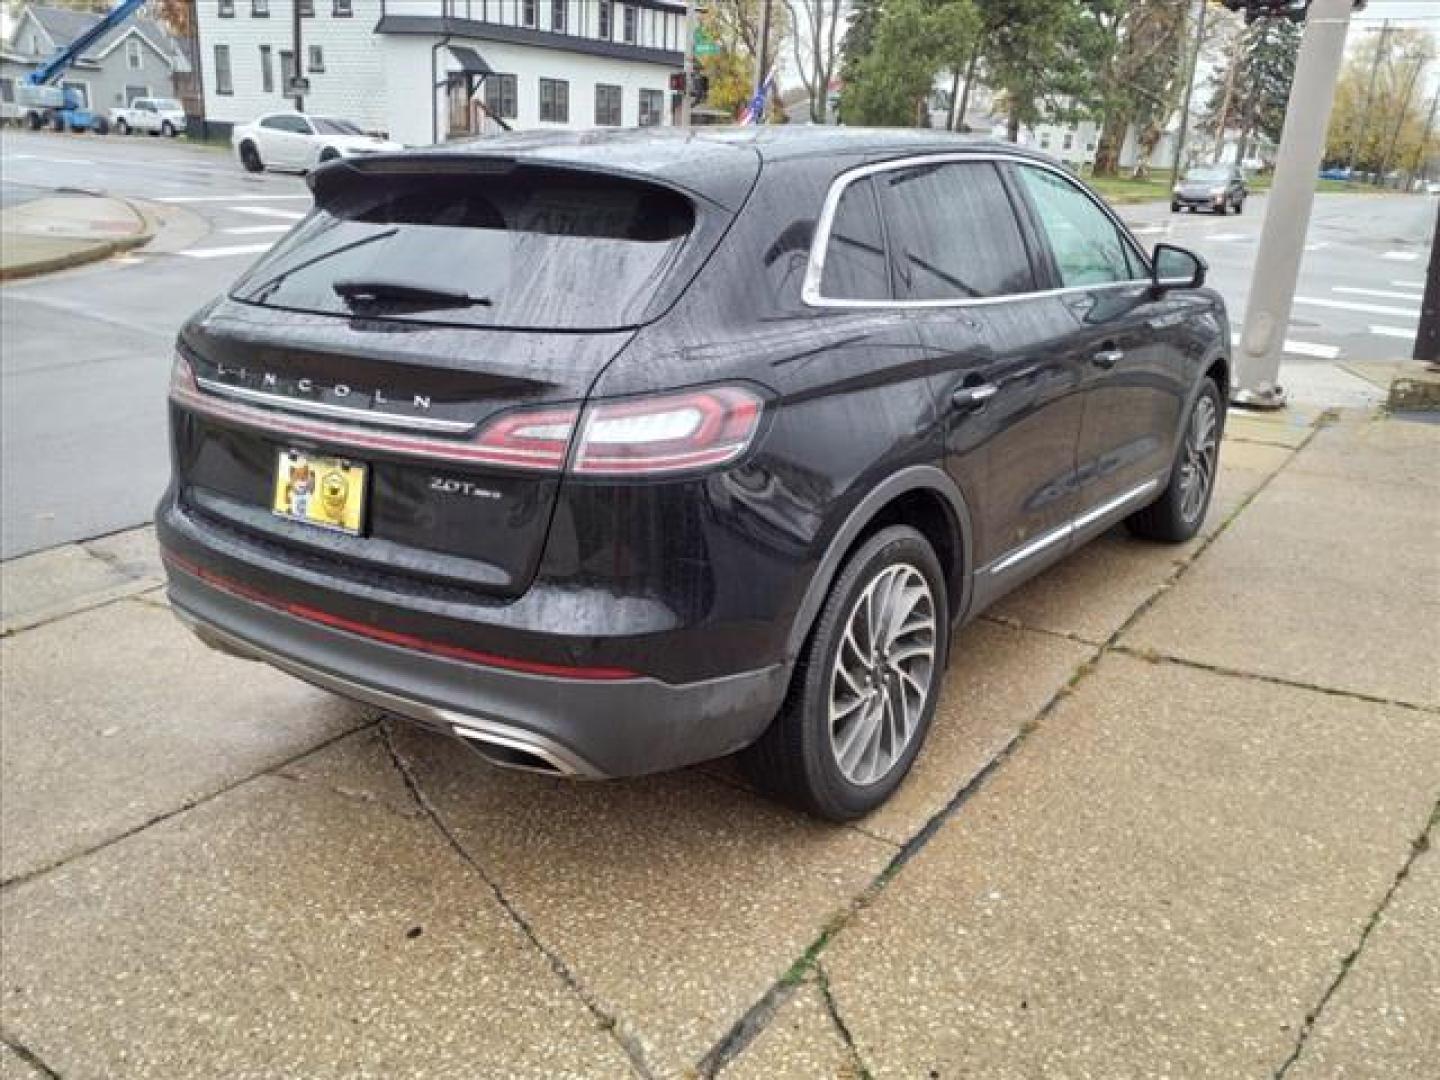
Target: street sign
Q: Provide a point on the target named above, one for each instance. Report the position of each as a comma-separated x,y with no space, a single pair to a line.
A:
298,86
705,45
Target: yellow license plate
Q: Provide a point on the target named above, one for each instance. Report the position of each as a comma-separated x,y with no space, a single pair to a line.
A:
324,491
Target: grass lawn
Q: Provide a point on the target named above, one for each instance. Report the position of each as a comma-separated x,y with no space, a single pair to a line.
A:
1120,190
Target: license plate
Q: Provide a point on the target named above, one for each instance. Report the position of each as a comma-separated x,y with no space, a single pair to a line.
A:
324,491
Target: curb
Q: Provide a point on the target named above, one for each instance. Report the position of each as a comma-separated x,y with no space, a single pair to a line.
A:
98,251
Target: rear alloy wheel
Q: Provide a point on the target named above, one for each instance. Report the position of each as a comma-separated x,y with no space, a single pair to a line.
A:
250,158
1176,516
863,693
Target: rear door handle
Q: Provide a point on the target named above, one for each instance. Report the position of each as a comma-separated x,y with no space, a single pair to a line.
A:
1107,358
968,397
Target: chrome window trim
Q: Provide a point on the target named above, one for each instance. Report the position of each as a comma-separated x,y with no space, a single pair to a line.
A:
320,408
811,296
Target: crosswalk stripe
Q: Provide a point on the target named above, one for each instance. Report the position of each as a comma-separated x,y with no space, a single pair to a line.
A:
1351,305
1401,256
266,211
238,196
1393,331
1409,284
255,230
223,252
1229,236
1388,294
1306,348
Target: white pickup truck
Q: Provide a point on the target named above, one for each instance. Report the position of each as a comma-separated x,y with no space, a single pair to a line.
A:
152,116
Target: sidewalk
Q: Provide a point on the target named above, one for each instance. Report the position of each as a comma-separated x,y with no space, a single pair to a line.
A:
1177,816
56,233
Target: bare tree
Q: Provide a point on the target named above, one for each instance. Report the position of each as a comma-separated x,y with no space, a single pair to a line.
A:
815,43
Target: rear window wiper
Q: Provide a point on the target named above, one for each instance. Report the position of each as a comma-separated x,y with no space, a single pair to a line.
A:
380,290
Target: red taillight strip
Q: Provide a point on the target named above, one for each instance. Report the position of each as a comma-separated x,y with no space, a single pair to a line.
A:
393,637
185,392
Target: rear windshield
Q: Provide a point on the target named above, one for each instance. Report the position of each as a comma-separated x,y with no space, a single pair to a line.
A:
531,247
1208,176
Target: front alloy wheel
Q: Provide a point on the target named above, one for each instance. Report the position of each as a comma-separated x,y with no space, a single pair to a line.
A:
881,677
864,688
1197,465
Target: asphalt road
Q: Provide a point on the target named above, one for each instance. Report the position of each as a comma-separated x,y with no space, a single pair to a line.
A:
87,353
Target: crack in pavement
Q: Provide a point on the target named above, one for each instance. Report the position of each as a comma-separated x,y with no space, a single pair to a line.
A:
608,1021
1418,846
832,1007
25,1054
755,1019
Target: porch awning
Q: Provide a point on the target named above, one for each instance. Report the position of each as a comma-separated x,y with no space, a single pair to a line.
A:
470,61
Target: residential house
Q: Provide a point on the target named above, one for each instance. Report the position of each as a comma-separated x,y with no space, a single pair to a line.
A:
424,71
137,58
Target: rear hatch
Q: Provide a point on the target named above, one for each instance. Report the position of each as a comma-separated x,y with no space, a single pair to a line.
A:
356,395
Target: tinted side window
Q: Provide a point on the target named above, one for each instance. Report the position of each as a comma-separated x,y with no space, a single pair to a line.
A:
1087,246
953,233
855,266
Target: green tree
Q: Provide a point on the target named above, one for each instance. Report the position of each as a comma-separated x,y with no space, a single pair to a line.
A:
1375,123
735,27
859,41
1250,90
1141,49
1040,56
912,41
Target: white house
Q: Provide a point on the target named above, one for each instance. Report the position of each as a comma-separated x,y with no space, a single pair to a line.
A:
424,71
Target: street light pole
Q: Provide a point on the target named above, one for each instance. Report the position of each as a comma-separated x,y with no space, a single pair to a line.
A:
762,52
1292,194
295,53
689,62
1189,92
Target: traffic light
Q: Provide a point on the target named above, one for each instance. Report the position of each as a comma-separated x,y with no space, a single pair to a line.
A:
699,84
1293,10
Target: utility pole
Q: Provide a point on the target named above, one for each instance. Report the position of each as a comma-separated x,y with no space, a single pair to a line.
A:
762,52
689,62
1363,119
1232,70
1427,337
295,63
1287,217
1399,121
1189,92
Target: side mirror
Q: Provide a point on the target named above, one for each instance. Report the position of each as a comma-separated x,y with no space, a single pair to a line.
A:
1175,268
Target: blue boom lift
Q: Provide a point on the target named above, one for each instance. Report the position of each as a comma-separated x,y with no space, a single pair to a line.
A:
46,103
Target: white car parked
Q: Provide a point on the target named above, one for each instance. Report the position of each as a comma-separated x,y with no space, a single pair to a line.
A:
291,140
151,116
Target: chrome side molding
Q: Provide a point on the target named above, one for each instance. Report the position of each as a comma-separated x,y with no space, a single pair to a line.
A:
1064,532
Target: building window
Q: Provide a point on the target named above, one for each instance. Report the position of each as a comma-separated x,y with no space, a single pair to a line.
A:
555,101
259,9
342,9
317,58
1069,140
133,92
267,71
133,60
223,85
7,90
557,16
652,107
607,106
307,8
287,70
502,96
527,12
227,9
607,12
630,24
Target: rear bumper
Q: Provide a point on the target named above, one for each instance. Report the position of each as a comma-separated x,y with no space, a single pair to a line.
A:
575,727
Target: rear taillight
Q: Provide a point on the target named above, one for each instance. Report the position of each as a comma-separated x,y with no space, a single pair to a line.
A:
663,433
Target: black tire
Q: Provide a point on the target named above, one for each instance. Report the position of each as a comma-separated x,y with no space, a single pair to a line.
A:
1172,518
34,121
1240,205
1222,208
122,128
102,126
794,760
57,122
167,129
1174,208
250,158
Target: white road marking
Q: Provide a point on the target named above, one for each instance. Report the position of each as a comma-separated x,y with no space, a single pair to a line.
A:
256,230
1317,246
1148,230
239,196
1409,284
1223,236
1351,305
224,252
1386,293
1401,256
265,211
1306,348
1393,331
49,160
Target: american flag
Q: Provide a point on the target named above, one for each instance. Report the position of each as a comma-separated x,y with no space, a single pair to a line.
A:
754,111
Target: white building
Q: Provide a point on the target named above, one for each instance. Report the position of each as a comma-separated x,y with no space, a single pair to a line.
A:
423,71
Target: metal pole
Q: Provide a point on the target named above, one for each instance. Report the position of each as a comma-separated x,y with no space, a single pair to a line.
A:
1427,337
295,46
689,62
1189,91
1364,117
762,54
1399,120
1287,215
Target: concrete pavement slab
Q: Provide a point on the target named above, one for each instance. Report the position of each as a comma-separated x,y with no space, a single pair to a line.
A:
676,900
1000,677
133,552
15,1067
40,587
284,931
1093,592
1383,451
1162,881
1283,428
800,1040
119,715
1322,581
1383,1023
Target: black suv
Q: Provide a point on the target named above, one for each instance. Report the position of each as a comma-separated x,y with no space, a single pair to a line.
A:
613,453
